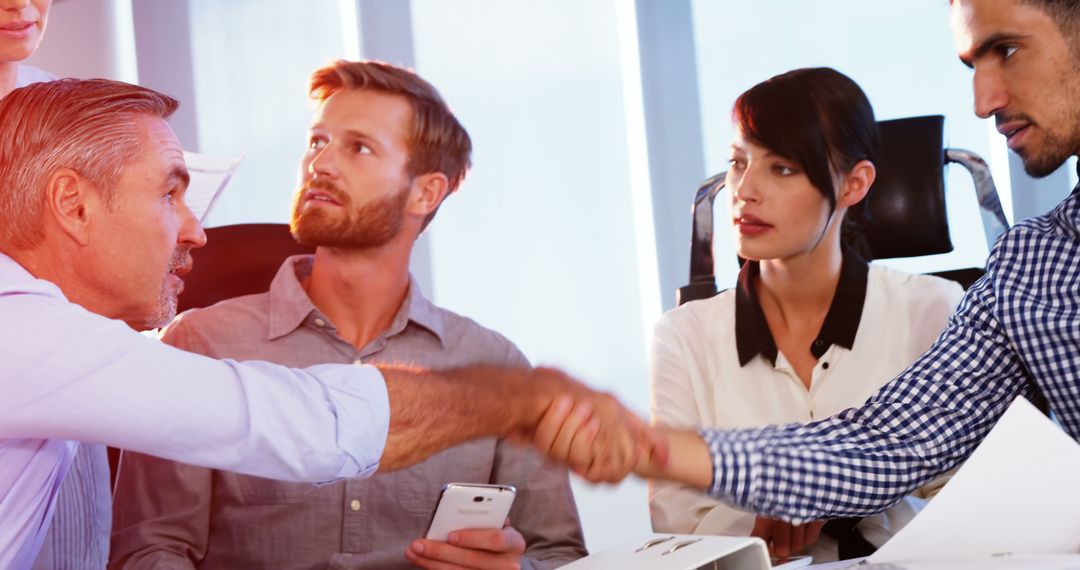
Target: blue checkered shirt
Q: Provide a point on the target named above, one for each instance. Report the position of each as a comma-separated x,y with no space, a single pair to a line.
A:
1017,328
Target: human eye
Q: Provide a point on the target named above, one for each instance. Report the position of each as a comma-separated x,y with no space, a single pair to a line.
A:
361,148
171,198
781,169
736,163
316,142
1006,51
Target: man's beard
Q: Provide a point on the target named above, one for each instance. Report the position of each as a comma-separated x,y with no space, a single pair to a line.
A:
1054,152
371,225
165,307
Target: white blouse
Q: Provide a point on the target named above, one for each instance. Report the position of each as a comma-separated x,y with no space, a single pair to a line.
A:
696,378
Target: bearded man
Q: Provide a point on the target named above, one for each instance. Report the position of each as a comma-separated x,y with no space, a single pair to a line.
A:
383,152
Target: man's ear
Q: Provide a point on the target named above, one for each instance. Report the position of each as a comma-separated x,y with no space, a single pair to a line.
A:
70,204
856,184
429,190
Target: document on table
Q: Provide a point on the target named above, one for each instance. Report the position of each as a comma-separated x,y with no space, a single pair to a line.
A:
1015,503
209,175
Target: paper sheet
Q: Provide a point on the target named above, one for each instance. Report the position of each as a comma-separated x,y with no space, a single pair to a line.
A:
209,175
1015,500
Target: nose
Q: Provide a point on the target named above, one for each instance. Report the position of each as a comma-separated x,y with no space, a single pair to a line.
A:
191,233
322,163
991,96
742,186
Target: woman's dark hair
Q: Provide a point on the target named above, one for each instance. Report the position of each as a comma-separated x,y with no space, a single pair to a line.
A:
819,118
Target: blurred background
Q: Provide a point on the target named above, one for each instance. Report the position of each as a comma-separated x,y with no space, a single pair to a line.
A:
593,122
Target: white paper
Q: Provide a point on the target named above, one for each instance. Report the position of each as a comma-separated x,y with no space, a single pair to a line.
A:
1015,501
209,175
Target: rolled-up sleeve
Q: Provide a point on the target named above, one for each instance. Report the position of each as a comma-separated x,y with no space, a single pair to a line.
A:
70,374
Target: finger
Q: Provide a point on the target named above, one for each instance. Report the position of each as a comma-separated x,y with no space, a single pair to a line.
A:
504,540
582,448
781,539
813,532
798,538
615,448
548,428
440,555
762,529
572,427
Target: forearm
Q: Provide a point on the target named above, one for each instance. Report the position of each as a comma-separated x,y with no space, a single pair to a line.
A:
689,461
433,410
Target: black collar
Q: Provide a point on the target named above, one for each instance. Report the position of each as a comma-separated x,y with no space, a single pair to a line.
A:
752,335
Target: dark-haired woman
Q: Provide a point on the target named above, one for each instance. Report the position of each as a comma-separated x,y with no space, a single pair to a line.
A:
811,328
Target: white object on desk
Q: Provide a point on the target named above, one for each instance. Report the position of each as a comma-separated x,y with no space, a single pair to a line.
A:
680,552
1015,499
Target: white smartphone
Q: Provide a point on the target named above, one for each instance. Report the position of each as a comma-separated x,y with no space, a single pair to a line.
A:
470,506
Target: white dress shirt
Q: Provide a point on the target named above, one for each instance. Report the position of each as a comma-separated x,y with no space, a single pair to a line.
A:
69,375
706,374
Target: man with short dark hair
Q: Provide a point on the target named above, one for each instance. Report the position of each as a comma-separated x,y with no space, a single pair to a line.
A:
383,152
1017,328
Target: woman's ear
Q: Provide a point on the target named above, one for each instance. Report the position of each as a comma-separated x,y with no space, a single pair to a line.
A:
856,184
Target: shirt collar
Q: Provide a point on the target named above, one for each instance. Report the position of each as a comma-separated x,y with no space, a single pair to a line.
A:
16,279
290,305
752,335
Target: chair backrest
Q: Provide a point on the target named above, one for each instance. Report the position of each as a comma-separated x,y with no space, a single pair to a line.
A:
237,260
906,205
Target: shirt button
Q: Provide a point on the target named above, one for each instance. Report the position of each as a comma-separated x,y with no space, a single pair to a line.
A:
825,365
355,505
320,322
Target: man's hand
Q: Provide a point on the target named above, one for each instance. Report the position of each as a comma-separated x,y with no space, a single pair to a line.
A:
487,549
691,462
785,539
596,436
431,410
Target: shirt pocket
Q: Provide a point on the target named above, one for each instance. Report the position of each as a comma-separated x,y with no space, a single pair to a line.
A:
417,488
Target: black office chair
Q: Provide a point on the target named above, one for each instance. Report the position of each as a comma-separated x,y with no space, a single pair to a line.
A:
906,205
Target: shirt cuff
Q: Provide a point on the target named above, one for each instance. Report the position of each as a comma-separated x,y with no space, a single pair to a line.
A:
362,405
731,466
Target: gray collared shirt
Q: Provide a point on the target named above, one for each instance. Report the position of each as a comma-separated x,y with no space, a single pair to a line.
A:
169,515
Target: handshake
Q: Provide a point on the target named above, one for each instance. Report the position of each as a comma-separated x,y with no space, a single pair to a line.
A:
602,441
589,431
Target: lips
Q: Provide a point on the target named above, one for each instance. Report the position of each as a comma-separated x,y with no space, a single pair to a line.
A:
1014,132
750,225
17,29
320,196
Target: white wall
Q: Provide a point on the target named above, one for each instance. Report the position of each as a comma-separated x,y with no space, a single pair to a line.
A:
87,39
539,243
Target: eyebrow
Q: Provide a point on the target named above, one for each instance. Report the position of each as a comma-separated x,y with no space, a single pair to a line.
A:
987,45
348,134
178,174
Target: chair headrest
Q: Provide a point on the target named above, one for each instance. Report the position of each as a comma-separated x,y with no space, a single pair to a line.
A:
906,204
237,260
